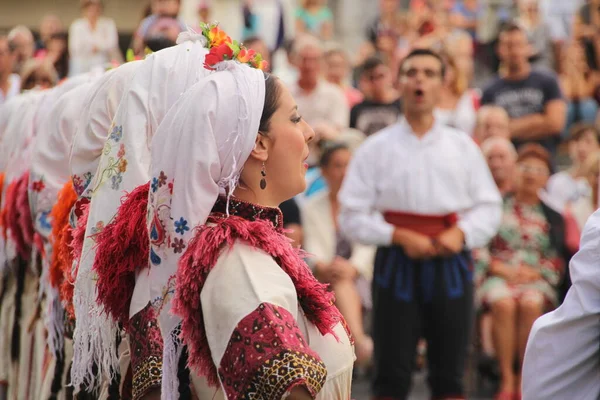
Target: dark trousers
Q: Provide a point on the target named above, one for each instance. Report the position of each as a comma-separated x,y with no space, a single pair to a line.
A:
413,299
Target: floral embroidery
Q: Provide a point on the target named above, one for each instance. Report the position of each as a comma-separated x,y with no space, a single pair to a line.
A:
44,221
117,133
122,165
178,245
80,183
116,181
181,226
154,184
162,179
154,258
267,356
121,151
99,226
38,186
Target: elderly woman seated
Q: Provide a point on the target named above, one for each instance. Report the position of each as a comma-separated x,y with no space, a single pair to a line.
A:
347,266
517,274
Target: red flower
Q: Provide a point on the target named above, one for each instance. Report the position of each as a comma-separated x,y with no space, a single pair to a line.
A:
38,186
218,54
245,55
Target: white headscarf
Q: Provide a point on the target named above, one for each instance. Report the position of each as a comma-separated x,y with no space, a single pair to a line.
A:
99,108
158,83
198,151
49,172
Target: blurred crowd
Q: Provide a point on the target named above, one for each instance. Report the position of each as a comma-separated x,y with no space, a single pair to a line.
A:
522,79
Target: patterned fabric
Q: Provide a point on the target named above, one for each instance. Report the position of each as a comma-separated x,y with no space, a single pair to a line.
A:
248,211
146,352
267,356
523,239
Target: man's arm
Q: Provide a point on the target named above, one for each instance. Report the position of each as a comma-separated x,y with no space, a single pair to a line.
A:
536,126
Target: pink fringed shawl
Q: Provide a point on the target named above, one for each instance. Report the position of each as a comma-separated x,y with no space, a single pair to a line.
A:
201,256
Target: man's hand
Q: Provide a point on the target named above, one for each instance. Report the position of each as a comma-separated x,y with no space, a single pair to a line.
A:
415,245
450,242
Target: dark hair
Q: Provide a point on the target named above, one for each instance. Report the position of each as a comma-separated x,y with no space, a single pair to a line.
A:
370,64
158,42
329,150
578,130
510,27
272,94
537,151
423,52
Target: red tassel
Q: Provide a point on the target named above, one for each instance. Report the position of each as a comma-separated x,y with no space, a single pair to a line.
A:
8,207
201,256
61,234
76,245
16,216
24,211
121,248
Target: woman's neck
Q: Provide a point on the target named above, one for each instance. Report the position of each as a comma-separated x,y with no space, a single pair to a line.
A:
527,198
260,197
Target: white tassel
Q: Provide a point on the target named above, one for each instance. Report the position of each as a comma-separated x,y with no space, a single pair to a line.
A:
172,350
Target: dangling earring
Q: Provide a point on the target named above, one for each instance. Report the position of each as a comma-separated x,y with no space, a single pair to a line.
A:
263,180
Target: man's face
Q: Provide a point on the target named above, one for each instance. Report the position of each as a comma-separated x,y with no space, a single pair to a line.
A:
380,79
24,49
7,58
494,124
421,82
513,48
337,68
309,63
501,162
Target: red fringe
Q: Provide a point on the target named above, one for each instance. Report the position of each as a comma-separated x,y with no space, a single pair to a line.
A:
76,245
8,206
1,186
201,256
61,234
24,211
121,248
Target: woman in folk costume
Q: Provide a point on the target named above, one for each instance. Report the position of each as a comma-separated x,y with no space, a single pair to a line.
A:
49,172
124,165
562,359
21,269
223,276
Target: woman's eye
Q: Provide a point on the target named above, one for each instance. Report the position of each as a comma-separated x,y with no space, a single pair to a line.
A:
297,120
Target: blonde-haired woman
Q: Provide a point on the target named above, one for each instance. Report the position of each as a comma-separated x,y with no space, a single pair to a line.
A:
458,104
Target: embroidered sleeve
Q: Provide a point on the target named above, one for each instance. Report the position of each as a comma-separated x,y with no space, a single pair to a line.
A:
267,356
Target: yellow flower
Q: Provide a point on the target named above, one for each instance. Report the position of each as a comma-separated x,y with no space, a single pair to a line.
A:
122,165
217,37
245,55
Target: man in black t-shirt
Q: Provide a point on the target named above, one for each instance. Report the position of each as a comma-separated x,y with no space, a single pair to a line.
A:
381,106
533,99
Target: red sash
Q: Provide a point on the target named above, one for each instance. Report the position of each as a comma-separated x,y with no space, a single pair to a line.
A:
428,225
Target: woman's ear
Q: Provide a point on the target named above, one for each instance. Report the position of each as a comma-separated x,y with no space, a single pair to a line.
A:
261,148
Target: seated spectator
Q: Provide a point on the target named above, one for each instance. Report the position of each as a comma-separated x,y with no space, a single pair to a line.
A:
93,39
492,121
163,20
265,19
205,12
347,266
459,45
533,99
21,40
582,208
519,271
568,186
49,25
323,105
585,31
38,74
10,84
381,106
579,84
337,72
57,53
258,45
386,20
457,105
501,157
315,18
292,221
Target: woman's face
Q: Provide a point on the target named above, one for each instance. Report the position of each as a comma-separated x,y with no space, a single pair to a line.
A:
335,170
337,68
289,136
581,149
532,175
92,10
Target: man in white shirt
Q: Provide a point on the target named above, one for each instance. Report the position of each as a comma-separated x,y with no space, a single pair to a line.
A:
562,360
10,84
322,104
423,193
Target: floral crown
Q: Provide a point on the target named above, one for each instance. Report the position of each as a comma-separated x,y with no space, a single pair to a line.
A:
222,48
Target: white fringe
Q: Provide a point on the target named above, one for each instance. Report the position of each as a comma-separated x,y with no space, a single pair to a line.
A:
94,338
172,350
54,321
